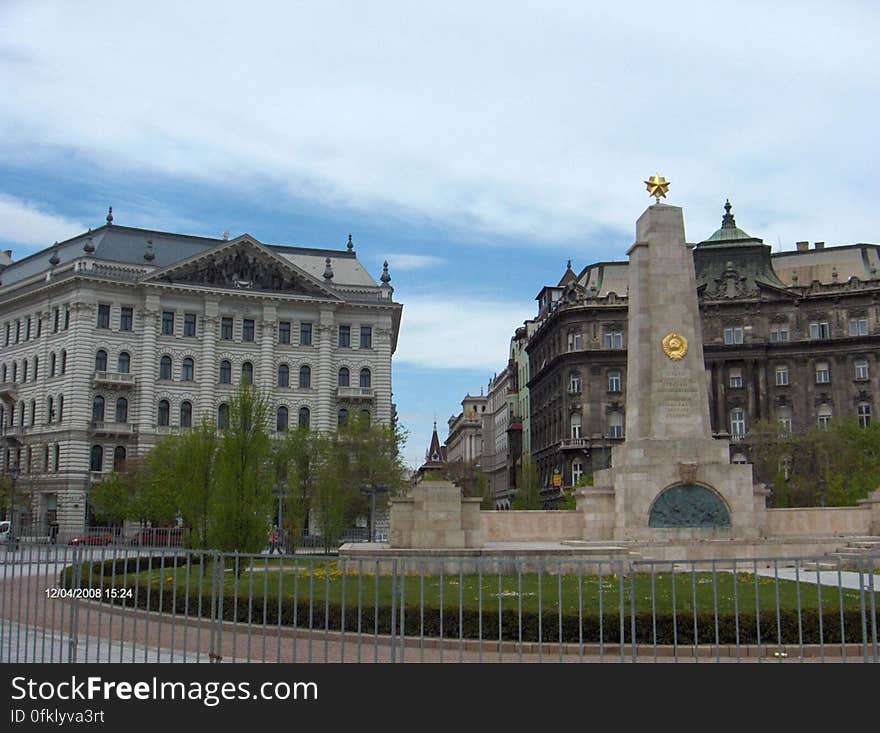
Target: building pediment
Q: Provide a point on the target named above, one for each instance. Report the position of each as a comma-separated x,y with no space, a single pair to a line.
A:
242,264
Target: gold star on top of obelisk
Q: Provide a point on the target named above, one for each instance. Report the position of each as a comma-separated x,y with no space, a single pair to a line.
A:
657,186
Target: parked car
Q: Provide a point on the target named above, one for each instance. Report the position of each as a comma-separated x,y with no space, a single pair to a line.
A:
92,538
159,537
5,531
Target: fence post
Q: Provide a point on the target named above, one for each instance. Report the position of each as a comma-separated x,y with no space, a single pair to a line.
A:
76,581
393,608
216,610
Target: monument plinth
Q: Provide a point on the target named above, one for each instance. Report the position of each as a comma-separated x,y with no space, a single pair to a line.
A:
669,477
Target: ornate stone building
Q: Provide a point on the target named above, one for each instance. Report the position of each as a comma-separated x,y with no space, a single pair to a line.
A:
793,337
120,335
465,439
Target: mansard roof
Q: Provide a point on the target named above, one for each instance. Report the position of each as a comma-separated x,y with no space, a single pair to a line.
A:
127,245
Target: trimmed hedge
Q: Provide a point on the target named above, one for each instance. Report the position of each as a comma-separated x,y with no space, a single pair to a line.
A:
785,628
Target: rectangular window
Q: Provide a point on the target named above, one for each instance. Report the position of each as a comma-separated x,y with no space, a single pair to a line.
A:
819,330
167,323
574,342
305,334
615,431
614,381
284,332
613,339
823,374
57,318
344,337
733,335
103,316
27,330
574,383
864,413
8,333
736,378
782,376
66,318
366,337
247,329
126,318
189,324
17,331
39,326
778,334
858,326
226,328
861,370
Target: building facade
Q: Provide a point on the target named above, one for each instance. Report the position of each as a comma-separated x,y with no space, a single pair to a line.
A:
793,337
464,443
119,336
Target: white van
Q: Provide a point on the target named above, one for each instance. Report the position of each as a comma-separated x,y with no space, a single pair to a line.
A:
5,527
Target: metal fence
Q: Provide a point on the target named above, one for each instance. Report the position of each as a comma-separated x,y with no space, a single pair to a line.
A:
86,603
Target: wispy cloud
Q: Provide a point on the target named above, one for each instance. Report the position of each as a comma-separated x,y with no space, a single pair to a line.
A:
541,125
458,333
405,262
29,224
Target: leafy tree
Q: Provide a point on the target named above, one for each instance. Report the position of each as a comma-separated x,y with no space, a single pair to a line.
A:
242,496
112,499
296,469
156,495
335,492
196,461
528,492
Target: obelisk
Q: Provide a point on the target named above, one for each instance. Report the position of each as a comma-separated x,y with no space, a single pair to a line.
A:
669,479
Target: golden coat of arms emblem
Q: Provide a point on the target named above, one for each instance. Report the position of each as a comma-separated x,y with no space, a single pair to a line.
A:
675,346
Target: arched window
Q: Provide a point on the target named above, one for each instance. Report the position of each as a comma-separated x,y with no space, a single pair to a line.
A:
98,408
341,417
738,458
33,411
164,413
281,419
864,414
60,407
122,410
823,417
15,371
366,379
247,373
123,363
304,416
305,376
52,363
101,361
97,463
576,426
615,425
737,422
36,368
186,414
50,410
188,370
283,375
165,367
225,372
63,361
343,377
119,458
24,366
783,414
222,416
21,413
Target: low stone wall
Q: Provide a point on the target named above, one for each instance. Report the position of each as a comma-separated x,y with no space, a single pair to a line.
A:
818,521
531,525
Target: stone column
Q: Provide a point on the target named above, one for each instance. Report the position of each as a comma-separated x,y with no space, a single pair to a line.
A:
323,381
148,371
208,374
382,372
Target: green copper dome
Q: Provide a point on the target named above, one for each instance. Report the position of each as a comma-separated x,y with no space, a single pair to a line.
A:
729,231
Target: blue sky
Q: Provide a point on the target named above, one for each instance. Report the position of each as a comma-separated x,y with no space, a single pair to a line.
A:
475,145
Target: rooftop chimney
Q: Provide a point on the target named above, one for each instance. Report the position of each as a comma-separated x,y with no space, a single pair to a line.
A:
820,245
803,246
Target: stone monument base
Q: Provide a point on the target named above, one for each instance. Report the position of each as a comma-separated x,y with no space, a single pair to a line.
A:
673,490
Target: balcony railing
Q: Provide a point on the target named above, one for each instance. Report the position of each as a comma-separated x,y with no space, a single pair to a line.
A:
113,428
8,390
354,393
569,443
116,379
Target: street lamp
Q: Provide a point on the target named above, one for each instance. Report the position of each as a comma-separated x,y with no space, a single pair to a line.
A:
13,527
372,491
